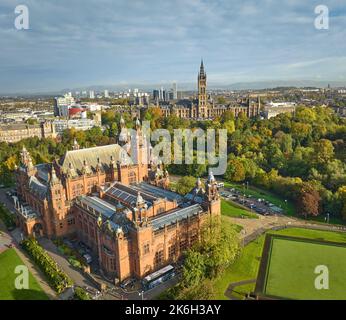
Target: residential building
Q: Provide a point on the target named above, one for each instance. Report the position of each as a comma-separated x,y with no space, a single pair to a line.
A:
15,132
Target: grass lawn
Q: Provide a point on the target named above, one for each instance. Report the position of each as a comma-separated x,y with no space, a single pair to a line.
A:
288,207
230,209
246,267
290,271
8,262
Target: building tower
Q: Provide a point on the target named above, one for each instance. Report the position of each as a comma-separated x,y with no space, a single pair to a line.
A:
175,91
202,93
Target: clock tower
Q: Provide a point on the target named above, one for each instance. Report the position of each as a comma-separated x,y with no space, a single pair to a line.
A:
202,93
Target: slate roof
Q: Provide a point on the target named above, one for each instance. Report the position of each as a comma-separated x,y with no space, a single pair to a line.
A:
176,215
128,194
108,212
91,156
144,187
43,171
38,187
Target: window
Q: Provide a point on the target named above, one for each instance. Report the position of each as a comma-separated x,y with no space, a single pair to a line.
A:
61,225
183,244
159,258
194,237
71,221
132,177
160,210
111,264
171,252
146,248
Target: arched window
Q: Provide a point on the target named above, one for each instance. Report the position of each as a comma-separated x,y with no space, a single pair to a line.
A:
132,177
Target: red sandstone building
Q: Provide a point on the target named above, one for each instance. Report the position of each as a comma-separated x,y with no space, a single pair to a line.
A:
121,210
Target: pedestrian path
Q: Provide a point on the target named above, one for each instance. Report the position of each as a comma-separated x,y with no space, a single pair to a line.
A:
5,239
232,286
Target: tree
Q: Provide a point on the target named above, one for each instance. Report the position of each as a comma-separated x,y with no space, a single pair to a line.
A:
341,195
185,185
154,115
193,269
221,100
204,290
306,115
219,246
235,170
323,151
308,200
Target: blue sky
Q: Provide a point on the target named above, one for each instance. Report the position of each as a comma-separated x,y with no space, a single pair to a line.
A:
102,42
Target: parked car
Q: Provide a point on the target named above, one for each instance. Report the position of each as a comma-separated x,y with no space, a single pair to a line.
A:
88,259
127,283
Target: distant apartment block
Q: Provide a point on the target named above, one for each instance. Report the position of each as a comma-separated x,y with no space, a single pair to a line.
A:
82,124
273,109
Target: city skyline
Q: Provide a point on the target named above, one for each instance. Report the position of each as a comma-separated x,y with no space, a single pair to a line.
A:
161,43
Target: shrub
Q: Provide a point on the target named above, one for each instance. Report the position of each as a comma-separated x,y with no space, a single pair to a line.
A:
56,277
81,294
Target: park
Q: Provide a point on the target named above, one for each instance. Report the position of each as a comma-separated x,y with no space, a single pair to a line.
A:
9,260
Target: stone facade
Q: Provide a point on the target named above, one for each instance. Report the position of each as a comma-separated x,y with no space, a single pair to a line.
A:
12,133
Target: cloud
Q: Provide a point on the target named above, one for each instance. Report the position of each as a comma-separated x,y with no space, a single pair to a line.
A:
72,43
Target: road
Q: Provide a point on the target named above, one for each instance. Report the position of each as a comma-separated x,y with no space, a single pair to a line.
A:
77,277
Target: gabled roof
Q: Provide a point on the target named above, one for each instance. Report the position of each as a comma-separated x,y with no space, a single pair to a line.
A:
91,156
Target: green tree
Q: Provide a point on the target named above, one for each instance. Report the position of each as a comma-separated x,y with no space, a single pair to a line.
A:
185,185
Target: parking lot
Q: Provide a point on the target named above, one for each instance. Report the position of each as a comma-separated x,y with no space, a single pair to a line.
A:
256,205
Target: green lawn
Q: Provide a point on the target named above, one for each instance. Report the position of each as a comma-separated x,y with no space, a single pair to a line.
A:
8,262
288,207
230,209
291,266
246,267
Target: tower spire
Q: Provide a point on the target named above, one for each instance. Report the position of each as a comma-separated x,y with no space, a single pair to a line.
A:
201,70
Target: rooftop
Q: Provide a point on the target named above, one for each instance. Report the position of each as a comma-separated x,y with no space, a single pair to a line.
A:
176,215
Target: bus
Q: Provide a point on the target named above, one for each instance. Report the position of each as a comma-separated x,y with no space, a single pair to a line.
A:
157,277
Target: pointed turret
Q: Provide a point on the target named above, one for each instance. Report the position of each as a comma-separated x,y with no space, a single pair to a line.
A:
211,177
75,145
71,172
86,169
138,124
122,122
123,133
53,177
98,165
140,201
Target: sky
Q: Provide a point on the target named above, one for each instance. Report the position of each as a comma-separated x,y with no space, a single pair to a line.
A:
78,43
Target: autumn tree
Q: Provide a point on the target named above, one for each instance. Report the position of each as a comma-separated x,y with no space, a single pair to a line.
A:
308,201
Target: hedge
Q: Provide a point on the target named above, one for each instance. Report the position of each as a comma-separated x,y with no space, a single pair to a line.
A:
58,280
80,294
